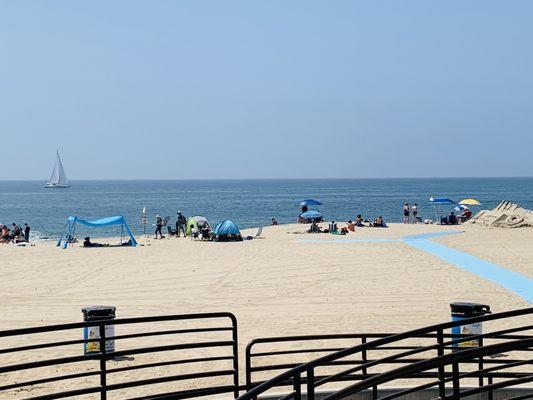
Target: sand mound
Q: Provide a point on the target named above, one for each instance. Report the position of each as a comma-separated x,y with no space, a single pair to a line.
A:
505,215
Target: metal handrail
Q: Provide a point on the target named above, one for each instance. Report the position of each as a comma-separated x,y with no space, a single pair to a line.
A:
432,363
103,355
308,368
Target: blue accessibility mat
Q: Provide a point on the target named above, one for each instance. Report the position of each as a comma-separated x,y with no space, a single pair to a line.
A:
510,280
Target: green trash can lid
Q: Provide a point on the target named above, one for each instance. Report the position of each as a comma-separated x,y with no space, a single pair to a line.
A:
470,308
98,312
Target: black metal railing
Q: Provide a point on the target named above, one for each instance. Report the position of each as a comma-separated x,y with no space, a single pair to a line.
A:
145,355
193,355
395,353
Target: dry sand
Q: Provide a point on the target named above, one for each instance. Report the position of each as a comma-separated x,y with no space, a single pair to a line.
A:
275,286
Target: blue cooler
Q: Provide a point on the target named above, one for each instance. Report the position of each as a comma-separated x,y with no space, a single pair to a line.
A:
463,310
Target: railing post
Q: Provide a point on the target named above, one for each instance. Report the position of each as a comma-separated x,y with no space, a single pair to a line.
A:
440,352
310,384
480,363
235,339
374,392
491,394
103,365
364,358
455,380
297,385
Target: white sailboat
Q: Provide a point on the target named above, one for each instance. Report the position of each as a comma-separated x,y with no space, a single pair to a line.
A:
59,177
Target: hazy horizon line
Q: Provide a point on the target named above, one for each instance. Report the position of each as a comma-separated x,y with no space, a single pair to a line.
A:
272,179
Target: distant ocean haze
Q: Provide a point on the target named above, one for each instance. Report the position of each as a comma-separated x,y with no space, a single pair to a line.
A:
250,203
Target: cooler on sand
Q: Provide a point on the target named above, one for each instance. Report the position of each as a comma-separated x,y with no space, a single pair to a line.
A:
462,310
98,313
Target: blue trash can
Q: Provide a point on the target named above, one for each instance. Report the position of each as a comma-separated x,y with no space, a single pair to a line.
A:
98,313
464,310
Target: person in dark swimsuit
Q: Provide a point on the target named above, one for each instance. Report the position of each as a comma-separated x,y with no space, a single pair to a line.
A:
406,213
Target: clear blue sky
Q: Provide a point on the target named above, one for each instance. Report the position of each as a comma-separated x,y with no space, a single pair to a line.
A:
266,89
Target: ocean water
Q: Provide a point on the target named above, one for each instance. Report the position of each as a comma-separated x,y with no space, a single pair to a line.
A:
250,203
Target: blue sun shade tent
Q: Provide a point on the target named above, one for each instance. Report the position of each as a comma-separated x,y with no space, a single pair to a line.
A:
70,227
226,228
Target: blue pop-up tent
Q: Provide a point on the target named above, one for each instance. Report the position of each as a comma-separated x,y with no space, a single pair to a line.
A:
226,227
70,228
227,231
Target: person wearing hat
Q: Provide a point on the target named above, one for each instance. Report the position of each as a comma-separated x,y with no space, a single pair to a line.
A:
158,226
181,223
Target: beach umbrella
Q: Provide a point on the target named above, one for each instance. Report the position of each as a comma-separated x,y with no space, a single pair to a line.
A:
311,214
460,207
308,202
470,202
437,201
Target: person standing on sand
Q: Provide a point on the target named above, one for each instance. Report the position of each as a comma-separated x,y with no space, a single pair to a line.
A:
180,224
414,210
27,233
406,213
158,226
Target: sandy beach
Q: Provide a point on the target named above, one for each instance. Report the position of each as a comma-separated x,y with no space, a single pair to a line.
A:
282,284
279,277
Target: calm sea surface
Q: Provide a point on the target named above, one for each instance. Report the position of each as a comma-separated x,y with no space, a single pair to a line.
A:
249,203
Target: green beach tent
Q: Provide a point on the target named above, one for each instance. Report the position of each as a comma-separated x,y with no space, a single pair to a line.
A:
195,223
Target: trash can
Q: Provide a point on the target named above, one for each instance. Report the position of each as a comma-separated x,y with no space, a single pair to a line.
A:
463,310
98,313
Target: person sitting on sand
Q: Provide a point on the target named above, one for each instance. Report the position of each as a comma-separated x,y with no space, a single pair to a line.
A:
333,227
452,219
314,228
351,226
379,222
205,232
344,231
466,215
359,221
274,222
6,237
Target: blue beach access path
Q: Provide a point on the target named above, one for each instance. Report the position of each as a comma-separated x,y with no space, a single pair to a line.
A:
510,280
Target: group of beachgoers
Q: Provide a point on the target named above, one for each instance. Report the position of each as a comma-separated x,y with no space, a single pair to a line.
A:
410,214
200,230
15,234
359,222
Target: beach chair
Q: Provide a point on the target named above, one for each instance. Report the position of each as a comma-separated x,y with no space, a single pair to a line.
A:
258,234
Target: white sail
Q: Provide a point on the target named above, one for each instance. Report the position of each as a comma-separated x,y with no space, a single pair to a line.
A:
62,175
58,177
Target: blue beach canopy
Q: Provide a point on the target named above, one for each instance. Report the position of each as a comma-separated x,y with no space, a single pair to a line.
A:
311,214
70,227
226,227
309,202
438,201
441,200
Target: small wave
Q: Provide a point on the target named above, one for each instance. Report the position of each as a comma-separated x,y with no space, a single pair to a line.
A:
37,236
